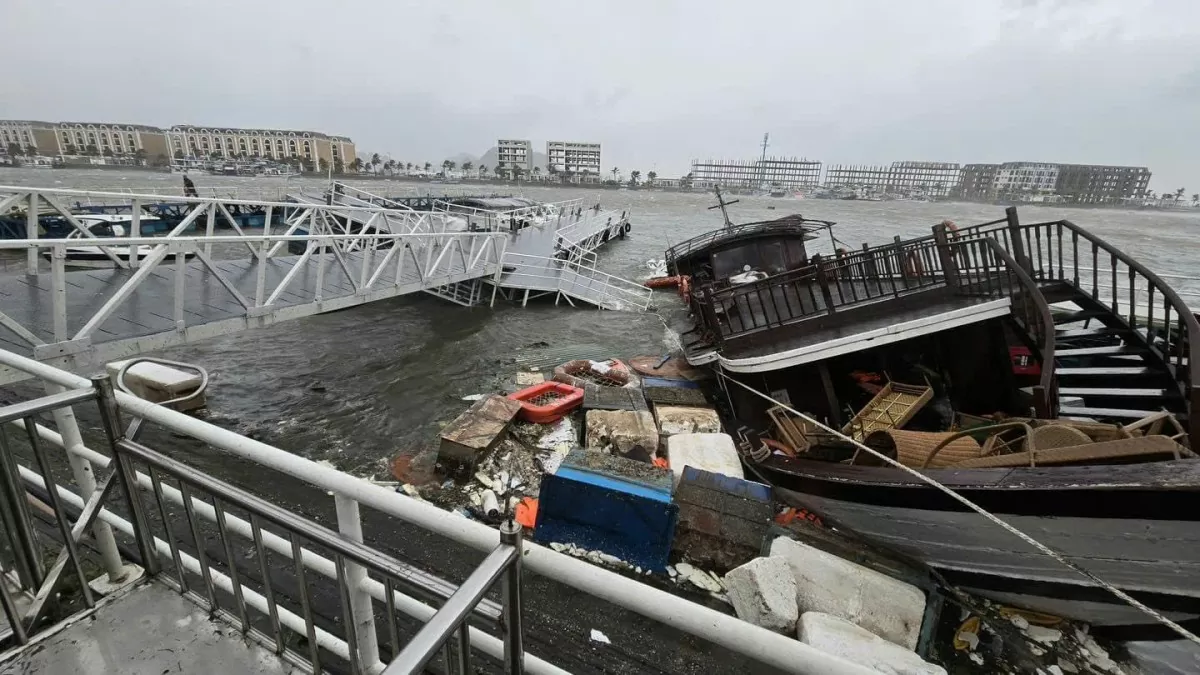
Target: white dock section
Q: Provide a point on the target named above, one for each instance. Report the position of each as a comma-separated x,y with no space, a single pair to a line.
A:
170,290
550,249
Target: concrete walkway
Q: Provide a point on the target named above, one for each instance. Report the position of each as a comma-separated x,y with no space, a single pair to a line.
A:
150,631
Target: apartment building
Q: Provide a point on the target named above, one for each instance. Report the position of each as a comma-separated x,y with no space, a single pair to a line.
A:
1101,184
935,179
573,157
201,142
514,153
1066,183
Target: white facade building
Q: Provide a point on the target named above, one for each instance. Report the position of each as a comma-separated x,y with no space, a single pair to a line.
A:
573,157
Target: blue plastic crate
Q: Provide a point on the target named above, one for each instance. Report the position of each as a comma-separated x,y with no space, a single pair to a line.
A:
611,504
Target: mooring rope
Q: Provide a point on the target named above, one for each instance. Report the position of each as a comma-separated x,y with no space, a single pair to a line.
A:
1185,633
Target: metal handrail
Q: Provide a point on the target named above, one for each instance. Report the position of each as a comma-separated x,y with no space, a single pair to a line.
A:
610,283
726,631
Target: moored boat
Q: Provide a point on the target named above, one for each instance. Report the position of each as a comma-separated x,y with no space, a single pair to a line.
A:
1085,444
105,227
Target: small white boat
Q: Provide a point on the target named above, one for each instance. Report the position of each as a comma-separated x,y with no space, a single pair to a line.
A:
107,227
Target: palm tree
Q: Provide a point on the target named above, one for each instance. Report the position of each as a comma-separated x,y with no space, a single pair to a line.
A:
687,180
389,166
483,170
466,167
634,176
516,172
357,165
1179,195
14,150
537,173
1195,199
616,174
428,166
375,162
408,166
650,177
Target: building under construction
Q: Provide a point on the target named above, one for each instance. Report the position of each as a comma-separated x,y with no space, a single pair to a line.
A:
934,179
772,171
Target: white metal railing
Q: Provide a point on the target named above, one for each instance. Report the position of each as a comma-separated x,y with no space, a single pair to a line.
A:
581,238
575,280
349,496
390,253
493,219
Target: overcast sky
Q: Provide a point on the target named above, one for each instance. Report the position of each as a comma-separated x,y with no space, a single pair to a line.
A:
658,83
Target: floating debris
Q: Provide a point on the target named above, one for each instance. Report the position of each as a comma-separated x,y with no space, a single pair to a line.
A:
597,636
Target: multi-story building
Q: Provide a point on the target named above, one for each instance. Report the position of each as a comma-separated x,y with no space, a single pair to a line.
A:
573,158
756,173
977,182
1041,181
513,153
1099,184
32,137
191,141
1026,178
185,141
934,179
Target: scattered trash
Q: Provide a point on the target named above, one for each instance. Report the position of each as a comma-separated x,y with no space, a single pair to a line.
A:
473,397
976,658
967,637
1046,636
1019,621
526,511
489,504
597,636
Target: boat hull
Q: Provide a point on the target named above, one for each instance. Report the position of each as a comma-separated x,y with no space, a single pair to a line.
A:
1129,525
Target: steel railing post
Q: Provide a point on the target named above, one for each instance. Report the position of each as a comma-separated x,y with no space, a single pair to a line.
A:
110,417
31,232
1014,235
135,231
361,609
511,534
22,539
85,478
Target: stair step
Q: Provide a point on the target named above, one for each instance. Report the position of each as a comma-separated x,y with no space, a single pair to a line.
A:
1071,317
1114,370
1096,351
1086,332
1112,391
1082,411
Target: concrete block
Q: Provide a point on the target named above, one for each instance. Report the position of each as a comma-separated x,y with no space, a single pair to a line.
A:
471,435
842,638
621,429
157,382
674,419
876,602
763,592
715,453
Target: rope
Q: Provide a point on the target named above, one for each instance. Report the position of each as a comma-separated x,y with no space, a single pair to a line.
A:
1185,633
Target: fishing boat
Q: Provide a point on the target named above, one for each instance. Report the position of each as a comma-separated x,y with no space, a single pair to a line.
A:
1034,369
106,226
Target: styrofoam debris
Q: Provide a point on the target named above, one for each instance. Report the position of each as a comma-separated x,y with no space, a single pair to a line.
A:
698,577
763,592
473,397
484,479
637,570
976,658
1054,670
671,571
558,547
561,432
411,490
1019,621
1042,634
597,636
490,505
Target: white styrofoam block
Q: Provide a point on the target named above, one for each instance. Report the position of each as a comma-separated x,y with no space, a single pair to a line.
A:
763,592
842,638
826,583
711,452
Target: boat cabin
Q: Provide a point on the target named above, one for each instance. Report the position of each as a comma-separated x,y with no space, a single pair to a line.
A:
745,252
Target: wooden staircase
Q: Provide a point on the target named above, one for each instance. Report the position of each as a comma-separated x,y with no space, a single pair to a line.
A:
1105,369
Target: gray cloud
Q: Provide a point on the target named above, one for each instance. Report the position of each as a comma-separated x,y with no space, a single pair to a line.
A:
658,83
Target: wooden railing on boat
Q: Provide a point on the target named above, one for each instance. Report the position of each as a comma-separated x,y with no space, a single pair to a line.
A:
995,259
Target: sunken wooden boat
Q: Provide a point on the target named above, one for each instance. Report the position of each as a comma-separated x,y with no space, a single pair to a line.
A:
1042,327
